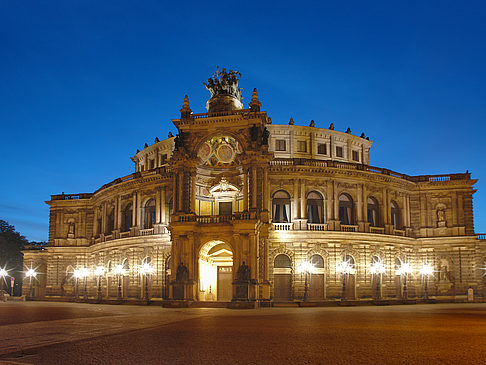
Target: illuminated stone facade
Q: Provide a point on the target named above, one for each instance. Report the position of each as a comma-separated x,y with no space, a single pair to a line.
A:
235,208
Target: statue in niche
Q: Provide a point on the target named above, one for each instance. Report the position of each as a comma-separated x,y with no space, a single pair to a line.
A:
182,273
71,230
254,132
445,272
243,272
441,216
265,136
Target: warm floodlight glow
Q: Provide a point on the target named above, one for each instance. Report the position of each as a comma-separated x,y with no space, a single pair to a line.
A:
31,273
146,269
119,270
345,267
426,270
3,273
99,271
405,269
377,268
306,267
81,273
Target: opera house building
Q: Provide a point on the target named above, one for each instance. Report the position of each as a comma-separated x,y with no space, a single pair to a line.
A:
235,209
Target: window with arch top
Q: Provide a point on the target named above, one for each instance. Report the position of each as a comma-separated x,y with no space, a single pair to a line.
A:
346,209
281,207
149,214
315,207
373,210
282,261
394,215
127,217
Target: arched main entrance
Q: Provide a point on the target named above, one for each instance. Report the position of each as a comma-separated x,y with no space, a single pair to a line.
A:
215,272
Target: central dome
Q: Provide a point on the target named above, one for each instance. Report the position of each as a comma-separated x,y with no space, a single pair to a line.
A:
225,94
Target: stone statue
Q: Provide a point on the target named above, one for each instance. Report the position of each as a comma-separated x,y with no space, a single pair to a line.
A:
224,82
265,136
441,215
182,273
179,141
243,272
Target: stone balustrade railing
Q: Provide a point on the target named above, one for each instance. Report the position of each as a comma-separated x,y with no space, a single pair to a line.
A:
146,232
317,226
349,228
283,226
368,168
482,236
378,230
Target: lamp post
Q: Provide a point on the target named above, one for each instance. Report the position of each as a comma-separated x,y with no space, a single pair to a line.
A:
145,270
404,270
378,269
119,271
31,274
425,271
345,268
3,274
99,272
307,268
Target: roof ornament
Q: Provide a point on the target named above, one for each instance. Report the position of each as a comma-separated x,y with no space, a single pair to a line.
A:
348,131
186,110
291,121
225,94
255,103
312,123
331,126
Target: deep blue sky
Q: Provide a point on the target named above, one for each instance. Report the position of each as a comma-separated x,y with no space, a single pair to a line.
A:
83,84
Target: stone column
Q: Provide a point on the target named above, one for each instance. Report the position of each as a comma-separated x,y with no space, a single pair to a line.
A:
134,209
303,201
245,189
103,218
139,211
180,207
193,190
163,212
265,188
253,187
95,225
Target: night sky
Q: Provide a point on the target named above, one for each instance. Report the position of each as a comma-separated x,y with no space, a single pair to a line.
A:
83,84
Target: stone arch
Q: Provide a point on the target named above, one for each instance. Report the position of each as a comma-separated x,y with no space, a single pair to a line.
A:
215,270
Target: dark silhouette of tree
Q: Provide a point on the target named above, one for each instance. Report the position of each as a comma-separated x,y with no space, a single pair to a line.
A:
11,245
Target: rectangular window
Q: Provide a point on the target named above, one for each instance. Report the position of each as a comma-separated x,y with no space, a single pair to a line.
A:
356,156
280,145
151,164
301,146
339,151
322,149
163,159
225,208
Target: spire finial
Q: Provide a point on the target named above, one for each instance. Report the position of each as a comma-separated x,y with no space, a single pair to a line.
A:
186,110
255,103
291,121
312,123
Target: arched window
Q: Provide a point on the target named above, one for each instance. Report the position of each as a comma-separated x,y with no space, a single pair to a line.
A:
127,217
110,222
373,212
398,265
315,207
317,261
281,207
346,209
350,260
108,267
147,260
282,261
125,265
375,260
395,215
149,214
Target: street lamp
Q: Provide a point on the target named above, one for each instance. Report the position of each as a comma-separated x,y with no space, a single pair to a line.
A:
307,268
31,274
99,272
378,269
345,267
119,271
3,274
145,270
425,271
404,270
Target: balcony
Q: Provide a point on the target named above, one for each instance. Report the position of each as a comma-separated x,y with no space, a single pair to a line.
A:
349,228
377,230
283,226
208,219
317,227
